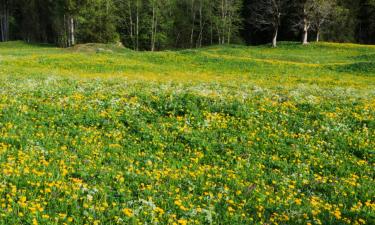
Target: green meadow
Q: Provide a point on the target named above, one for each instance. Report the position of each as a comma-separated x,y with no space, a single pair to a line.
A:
100,134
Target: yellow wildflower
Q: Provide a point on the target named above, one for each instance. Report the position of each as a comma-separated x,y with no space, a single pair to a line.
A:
128,212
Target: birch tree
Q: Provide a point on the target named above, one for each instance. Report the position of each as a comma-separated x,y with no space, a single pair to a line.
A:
314,14
129,16
228,19
307,17
67,12
321,14
266,15
198,19
304,18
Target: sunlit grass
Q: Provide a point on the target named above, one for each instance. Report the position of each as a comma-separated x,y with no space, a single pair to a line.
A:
100,134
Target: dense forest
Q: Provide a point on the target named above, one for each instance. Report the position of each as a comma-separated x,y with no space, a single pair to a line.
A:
168,24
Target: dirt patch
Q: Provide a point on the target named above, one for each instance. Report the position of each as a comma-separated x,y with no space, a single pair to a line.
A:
97,48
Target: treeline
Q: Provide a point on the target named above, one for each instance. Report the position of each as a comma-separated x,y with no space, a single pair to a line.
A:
162,24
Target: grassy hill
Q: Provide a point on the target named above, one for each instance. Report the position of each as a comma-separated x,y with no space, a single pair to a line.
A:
100,134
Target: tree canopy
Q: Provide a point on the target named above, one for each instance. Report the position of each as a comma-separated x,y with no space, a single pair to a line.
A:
167,24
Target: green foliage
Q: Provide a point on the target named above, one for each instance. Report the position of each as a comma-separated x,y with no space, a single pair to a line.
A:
342,28
179,24
219,135
97,22
171,24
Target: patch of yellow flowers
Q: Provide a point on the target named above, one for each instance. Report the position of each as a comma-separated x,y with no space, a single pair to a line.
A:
158,148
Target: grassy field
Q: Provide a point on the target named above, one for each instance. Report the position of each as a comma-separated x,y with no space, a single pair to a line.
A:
99,134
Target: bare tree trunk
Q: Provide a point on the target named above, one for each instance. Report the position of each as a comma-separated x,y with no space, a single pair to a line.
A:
318,34
177,40
66,31
193,24
2,18
131,23
4,21
200,24
137,28
72,36
69,30
2,27
229,22
156,30
229,29
212,34
274,40
223,19
305,31
153,27
218,33
64,34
